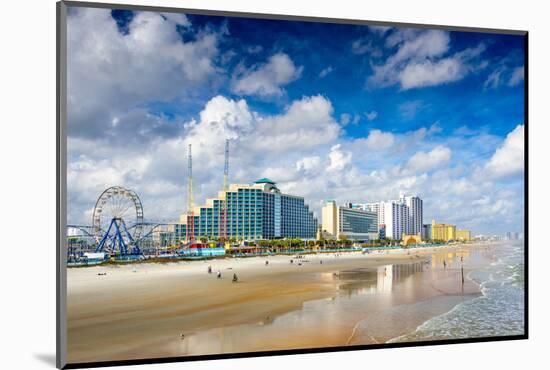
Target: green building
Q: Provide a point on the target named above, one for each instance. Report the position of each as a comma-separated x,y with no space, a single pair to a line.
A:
254,212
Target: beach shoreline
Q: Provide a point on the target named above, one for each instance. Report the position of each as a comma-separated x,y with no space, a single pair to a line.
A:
140,311
176,259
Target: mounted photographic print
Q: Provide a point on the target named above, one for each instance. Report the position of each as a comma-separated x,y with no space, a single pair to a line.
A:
235,184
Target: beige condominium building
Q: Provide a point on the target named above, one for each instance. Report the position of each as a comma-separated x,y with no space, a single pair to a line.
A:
463,235
444,232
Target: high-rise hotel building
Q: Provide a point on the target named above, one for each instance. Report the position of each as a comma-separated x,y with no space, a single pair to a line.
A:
254,212
398,217
414,218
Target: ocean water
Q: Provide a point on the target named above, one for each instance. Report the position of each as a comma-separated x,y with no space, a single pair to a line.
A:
498,311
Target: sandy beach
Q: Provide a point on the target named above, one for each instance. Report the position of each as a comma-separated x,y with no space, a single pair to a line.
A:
321,300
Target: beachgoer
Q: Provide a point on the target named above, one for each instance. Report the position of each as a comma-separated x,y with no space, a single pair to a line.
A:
266,263
291,261
209,269
444,264
219,274
235,278
321,262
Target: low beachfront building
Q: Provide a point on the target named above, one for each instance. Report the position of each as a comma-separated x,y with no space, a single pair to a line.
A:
411,239
347,222
256,211
426,232
381,231
445,232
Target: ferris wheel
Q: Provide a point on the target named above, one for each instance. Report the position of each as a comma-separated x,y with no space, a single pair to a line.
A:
117,219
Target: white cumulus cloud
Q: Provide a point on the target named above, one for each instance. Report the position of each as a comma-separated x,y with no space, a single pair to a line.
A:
425,161
508,159
339,158
269,78
111,75
379,140
308,164
421,59
306,123
429,73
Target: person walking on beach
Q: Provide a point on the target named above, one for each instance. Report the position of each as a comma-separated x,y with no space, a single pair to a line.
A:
444,264
209,269
266,263
235,278
219,275
291,261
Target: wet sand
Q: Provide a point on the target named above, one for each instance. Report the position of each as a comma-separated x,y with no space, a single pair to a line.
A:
141,311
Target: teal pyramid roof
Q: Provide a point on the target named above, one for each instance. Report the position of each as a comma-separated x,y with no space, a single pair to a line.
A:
265,180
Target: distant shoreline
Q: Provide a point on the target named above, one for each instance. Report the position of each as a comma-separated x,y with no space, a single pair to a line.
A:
176,259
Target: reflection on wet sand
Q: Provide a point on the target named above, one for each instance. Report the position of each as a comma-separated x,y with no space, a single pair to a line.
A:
379,279
384,281
391,298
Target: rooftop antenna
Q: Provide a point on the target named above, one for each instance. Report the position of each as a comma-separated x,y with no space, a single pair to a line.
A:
190,205
226,166
223,213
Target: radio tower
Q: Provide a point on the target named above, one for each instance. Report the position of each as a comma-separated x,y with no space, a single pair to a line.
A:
190,206
223,213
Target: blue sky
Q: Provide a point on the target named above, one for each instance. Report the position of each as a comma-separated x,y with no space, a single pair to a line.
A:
329,111
319,47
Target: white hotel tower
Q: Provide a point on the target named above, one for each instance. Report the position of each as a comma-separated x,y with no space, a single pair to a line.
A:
402,216
416,213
